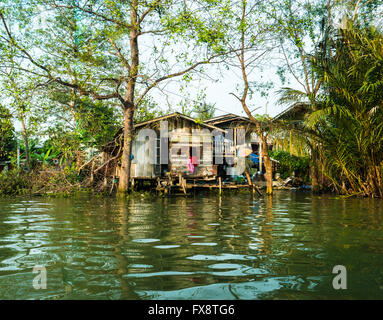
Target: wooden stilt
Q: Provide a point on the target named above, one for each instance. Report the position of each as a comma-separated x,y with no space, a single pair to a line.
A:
165,185
251,187
113,182
248,177
170,185
183,183
257,189
106,177
92,173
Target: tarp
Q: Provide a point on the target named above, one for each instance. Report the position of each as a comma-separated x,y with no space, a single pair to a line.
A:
254,157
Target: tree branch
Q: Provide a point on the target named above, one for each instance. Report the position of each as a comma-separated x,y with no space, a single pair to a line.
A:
177,74
120,55
152,6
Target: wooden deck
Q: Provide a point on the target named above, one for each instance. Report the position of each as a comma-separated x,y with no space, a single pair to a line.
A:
173,184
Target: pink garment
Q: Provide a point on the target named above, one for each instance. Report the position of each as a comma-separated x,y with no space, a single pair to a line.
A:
190,165
194,161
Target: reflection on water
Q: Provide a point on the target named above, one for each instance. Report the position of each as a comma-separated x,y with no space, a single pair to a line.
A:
204,247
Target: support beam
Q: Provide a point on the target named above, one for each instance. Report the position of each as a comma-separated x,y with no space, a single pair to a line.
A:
260,157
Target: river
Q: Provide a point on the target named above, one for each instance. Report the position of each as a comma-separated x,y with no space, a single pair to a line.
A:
199,247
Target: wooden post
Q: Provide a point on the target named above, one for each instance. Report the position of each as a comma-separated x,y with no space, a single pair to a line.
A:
170,182
248,177
92,173
113,182
183,184
256,189
260,155
106,177
249,180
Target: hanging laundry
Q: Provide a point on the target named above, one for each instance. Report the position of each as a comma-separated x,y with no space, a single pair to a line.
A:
190,165
194,161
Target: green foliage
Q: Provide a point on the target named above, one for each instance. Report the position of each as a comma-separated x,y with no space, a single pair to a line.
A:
7,137
36,154
13,183
204,111
350,117
289,163
147,110
52,183
97,122
78,123
46,158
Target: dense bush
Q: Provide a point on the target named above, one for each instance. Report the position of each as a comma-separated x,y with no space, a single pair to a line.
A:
7,138
289,163
13,183
53,182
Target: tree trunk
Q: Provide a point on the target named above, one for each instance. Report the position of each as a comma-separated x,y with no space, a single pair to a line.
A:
25,137
315,187
129,105
314,179
268,165
124,181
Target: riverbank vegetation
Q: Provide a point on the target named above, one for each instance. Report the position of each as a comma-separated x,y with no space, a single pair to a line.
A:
72,73
349,114
344,123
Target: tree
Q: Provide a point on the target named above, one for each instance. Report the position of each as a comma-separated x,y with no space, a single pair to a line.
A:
109,62
305,30
84,122
18,92
247,33
350,116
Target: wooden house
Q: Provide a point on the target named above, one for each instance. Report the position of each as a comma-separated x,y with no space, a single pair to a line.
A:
162,147
251,139
296,113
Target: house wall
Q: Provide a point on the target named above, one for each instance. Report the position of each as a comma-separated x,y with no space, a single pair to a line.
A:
252,140
185,138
